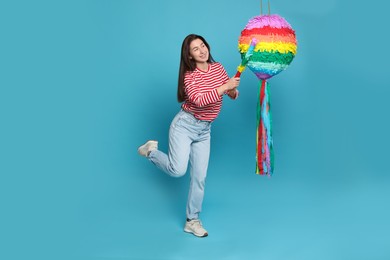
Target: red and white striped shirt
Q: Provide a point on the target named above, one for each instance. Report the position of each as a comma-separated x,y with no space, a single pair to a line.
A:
201,95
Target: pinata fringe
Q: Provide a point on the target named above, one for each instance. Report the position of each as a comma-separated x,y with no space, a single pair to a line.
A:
264,144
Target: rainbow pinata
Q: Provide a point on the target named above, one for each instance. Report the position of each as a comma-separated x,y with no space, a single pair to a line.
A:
276,45
267,46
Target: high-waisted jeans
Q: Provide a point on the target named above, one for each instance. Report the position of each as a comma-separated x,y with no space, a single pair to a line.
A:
189,140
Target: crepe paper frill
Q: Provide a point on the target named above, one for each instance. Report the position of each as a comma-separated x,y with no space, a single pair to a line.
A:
275,49
246,57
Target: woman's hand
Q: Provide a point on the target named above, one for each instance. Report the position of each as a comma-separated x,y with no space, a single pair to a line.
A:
228,86
233,93
233,83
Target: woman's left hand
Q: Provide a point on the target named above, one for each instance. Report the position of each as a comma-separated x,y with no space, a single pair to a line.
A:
233,93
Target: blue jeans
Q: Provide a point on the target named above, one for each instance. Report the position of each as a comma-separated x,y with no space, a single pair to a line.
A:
189,140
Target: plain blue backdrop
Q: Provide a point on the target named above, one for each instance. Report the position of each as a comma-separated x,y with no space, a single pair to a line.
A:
84,83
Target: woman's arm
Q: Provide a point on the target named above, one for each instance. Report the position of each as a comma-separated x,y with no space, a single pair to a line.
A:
201,99
228,86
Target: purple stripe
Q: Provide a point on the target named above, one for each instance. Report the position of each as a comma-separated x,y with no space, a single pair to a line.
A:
260,75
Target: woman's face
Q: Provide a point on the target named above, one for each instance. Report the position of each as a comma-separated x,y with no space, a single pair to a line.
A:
199,51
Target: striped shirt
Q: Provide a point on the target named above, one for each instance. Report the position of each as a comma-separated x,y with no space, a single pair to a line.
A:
201,95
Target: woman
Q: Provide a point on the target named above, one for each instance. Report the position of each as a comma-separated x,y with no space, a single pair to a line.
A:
201,86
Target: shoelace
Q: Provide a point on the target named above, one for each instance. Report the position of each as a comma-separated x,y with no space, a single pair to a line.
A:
197,223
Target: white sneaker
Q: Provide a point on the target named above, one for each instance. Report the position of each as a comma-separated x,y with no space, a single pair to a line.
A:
149,146
194,226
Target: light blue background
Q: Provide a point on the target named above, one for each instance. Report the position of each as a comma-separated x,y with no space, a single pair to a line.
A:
84,83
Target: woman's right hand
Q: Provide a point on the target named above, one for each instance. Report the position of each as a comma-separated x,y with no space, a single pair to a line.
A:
232,83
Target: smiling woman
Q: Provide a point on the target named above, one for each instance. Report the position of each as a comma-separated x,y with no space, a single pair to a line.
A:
200,53
202,84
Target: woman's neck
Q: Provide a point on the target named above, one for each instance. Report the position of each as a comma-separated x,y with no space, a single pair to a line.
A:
204,66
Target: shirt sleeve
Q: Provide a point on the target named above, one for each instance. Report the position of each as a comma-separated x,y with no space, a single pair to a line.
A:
196,95
226,79
225,75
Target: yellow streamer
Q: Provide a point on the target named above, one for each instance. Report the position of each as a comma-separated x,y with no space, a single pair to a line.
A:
270,47
240,68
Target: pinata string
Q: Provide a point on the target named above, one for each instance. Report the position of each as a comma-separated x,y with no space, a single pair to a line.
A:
261,7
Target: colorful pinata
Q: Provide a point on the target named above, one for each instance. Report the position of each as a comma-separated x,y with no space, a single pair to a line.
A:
276,47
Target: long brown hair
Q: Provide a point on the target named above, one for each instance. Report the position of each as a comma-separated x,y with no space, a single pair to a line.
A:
187,64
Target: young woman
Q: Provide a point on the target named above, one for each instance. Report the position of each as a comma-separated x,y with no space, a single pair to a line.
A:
202,84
